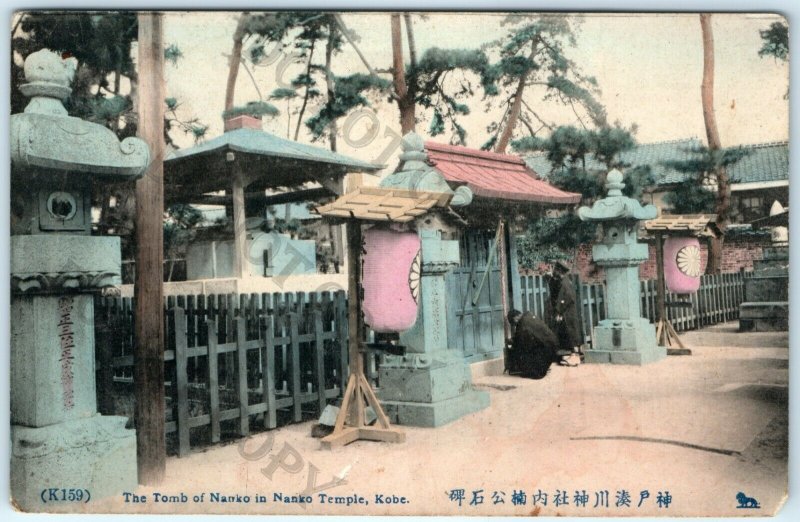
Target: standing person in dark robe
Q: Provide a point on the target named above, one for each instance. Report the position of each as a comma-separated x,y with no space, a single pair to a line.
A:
563,301
533,347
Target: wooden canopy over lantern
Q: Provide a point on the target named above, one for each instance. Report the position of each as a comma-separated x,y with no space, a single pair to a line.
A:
384,204
684,225
697,225
368,205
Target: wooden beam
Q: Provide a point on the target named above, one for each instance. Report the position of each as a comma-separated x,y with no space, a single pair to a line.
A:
661,309
294,196
148,290
239,225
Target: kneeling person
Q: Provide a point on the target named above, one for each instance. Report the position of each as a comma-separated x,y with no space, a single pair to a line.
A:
533,347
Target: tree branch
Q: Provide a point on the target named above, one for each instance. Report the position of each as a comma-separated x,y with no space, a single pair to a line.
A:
412,47
548,126
352,43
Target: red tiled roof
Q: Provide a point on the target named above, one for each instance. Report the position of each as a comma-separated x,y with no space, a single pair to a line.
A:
493,175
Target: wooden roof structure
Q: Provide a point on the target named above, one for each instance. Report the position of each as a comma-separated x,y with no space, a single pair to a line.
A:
246,157
383,204
699,225
266,160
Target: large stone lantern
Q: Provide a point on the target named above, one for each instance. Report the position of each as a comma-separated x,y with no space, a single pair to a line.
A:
430,385
624,336
58,438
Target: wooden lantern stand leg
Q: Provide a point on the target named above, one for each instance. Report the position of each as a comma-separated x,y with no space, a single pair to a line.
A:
351,422
665,333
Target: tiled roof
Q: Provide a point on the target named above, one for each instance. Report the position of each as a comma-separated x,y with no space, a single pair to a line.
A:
766,162
492,175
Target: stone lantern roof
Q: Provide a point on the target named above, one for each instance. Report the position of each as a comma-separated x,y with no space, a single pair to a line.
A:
45,137
616,206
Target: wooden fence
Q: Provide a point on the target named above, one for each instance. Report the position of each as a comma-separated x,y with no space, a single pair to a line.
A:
716,301
258,361
265,359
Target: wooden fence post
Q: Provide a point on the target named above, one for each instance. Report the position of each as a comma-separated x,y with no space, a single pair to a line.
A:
241,357
297,403
213,379
342,325
270,416
319,354
181,384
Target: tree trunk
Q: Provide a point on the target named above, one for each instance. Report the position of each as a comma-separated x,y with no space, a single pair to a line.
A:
234,61
707,88
330,82
513,115
412,46
305,97
516,107
714,143
405,99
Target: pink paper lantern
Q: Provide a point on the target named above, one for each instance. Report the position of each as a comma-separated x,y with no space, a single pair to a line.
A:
391,270
683,264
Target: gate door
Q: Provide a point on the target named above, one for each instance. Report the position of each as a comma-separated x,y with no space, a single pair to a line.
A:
476,329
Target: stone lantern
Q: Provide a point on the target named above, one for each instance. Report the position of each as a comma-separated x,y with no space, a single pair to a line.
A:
430,385
58,438
624,336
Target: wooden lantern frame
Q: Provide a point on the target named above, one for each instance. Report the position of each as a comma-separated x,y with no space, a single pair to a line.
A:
365,205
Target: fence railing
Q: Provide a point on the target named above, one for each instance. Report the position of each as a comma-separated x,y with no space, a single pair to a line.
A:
268,359
716,301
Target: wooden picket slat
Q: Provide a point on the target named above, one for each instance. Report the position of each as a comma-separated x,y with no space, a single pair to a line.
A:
296,382
241,357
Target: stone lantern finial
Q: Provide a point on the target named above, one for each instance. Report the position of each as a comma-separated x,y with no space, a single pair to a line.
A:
417,174
614,183
413,155
48,79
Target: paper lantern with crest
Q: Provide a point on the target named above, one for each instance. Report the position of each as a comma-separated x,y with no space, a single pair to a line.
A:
391,272
683,264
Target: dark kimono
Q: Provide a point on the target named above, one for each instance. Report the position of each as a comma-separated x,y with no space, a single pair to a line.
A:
533,348
565,304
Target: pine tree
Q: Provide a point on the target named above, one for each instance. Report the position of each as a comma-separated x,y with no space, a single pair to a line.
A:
441,81
534,64
580,158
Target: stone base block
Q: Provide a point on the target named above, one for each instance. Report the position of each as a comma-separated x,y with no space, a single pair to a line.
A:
625,342
638,358
428,390
96,455
770,316
432,415
418,380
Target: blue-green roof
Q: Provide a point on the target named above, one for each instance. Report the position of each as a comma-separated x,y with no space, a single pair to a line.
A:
765,162
265,144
